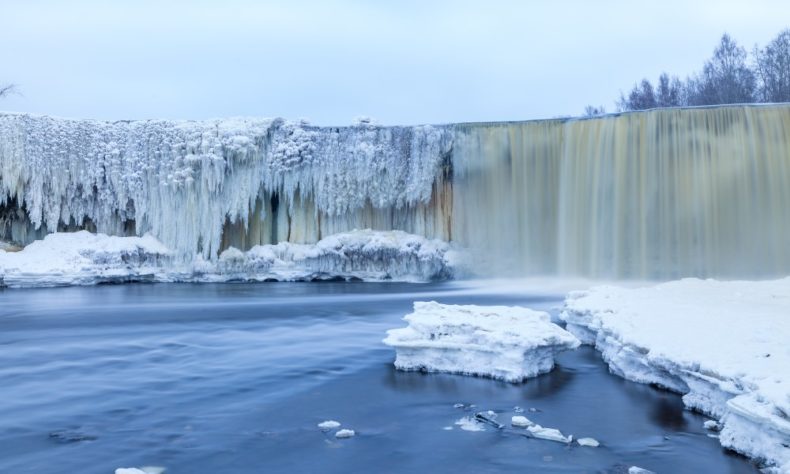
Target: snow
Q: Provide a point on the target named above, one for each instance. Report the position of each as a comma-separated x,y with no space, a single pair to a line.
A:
182,181
329,425
343,434
82,258
724,345
507,343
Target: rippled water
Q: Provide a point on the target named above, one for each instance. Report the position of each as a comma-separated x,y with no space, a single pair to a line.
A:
233,378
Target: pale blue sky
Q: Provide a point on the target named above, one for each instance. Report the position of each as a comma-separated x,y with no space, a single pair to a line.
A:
400,62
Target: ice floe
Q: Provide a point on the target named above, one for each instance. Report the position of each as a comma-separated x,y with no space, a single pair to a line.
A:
549,434
507,343
589,442
329,425
345,433
83,258
723,345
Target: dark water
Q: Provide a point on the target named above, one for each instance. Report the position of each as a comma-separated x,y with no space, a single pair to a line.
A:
234,379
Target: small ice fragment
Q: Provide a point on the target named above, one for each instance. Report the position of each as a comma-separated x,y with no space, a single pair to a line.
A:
549,434
329,425
520,421
712,425
639,470
518,409
448,428
344,434
486,418
534,410
713,436
591,442
458,405
468,423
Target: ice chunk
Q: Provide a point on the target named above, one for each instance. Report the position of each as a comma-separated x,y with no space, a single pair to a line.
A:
329,425
520,421
507,343
344,433
723,345
550,434
591,442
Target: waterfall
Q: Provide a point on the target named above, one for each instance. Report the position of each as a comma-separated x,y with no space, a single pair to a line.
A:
657,194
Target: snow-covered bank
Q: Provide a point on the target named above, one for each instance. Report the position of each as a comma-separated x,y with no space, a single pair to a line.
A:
82,258
507,343
724,345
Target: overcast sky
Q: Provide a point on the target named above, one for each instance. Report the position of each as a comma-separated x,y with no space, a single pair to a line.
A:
401,62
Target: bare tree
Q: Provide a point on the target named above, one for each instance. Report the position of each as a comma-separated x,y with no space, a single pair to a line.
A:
725,79
641,97
669,91
593,111
772,68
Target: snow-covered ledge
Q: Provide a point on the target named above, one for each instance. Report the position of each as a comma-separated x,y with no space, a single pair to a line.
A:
82,258
724,345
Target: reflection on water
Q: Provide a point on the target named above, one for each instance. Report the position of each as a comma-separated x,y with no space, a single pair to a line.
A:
234,378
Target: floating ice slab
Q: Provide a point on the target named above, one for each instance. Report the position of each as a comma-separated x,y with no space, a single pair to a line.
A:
343,434
549,434
329,425
724,345
507,343
589,442
83,258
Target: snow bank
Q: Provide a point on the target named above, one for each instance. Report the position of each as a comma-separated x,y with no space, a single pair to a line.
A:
364,254
724,345
82,258
508,343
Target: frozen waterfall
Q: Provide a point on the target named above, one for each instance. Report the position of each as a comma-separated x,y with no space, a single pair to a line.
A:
656,194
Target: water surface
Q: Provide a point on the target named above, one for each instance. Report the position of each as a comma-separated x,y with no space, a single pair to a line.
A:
234,378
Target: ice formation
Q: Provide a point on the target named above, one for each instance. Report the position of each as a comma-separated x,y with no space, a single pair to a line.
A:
507,343
724,345
82,258
653,194
189,183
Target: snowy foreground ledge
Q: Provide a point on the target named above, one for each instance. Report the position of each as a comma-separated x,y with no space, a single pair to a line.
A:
724,345
507,343
82,258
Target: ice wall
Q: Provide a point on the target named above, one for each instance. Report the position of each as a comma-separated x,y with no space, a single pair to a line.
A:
201,186
655,194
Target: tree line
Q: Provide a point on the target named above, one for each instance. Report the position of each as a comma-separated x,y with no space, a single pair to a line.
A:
730,76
